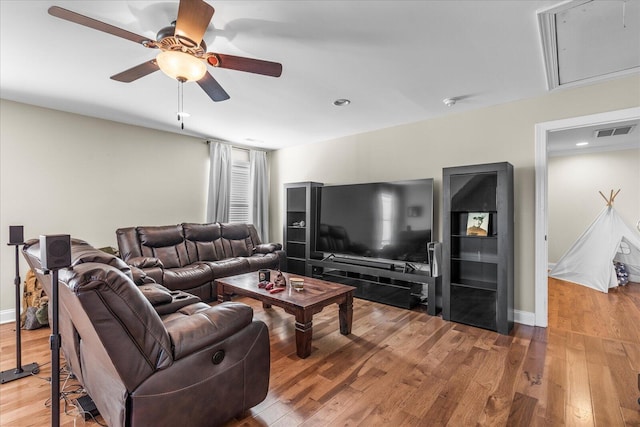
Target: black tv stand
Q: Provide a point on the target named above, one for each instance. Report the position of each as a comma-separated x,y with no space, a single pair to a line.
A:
393,287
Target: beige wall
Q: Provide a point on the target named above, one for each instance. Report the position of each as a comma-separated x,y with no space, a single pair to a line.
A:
70,174
500,133
65,173
573,196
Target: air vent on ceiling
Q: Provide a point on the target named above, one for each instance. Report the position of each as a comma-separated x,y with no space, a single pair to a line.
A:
622,130
588,40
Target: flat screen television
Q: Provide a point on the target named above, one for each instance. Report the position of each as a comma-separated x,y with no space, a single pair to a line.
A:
385,221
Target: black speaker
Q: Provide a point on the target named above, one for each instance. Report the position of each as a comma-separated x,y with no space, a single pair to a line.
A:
16,234
55,251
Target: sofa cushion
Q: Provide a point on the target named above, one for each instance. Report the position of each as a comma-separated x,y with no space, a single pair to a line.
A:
203,242
82,252
228,267
128,243
169,256
160,236
236,240
183,278
198,325
202,232
165,243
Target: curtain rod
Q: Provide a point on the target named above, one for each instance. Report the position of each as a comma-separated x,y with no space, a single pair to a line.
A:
237,147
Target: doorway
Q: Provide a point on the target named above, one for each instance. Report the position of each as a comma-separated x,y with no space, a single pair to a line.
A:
542,131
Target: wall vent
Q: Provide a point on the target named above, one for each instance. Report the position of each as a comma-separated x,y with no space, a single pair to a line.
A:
622,130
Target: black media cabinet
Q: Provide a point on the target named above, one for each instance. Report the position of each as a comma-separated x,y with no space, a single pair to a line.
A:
477,267
392,287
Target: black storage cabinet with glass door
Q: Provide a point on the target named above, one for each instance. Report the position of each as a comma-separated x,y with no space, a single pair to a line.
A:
299,222
478,272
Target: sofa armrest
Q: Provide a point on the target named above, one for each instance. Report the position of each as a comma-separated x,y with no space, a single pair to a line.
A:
145,262
199,325
267,248
156,294
140,277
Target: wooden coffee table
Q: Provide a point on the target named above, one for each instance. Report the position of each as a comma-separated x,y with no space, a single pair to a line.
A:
316,295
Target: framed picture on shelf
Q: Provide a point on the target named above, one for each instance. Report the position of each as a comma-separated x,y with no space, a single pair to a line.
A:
478,224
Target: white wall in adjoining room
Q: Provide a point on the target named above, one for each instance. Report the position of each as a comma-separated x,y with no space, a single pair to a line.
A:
420,150
573,199
64,173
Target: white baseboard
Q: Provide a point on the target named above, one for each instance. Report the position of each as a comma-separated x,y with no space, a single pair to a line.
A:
524,317
7,316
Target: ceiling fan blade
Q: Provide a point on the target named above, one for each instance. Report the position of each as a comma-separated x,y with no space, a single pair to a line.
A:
257,66
59,12
134,73
194,17
213,88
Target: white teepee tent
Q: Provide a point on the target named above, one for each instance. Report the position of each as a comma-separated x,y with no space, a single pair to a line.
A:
589,261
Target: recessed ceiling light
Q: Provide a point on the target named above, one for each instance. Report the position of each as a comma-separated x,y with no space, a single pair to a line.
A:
582,144
342,102
449,102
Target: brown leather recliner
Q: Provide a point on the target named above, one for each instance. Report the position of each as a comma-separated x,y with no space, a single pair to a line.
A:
190,256
195,366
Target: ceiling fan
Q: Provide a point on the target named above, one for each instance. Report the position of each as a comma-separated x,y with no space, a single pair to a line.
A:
183,53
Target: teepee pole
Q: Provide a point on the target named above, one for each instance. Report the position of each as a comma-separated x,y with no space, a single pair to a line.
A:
614,196
611,198
603,196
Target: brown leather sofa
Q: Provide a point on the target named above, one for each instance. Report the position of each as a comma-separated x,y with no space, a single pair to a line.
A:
189,256
149,356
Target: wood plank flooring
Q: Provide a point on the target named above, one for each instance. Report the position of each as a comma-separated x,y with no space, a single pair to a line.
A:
406,368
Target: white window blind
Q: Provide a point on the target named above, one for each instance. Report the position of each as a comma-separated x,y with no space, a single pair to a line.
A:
239,200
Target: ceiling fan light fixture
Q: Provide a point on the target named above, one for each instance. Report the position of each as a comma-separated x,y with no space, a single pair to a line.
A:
181,66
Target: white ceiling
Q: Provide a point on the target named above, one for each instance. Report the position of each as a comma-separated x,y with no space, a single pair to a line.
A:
563,142
395,60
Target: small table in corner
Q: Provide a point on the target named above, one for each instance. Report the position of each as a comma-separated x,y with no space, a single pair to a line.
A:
316,295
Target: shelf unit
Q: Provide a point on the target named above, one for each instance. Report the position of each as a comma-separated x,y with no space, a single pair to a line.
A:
300,205
390,287
477,273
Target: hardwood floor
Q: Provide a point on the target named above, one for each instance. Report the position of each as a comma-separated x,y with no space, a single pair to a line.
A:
401,367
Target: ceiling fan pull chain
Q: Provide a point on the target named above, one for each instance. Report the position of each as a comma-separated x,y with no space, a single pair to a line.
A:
181,103
178,109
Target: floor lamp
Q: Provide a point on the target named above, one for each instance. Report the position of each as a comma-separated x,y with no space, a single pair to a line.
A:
55,253
16,237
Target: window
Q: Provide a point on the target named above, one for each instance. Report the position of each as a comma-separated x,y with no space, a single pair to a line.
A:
239,198
386,201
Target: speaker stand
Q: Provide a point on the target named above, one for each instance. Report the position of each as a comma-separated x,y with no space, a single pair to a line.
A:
32,368
54,340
